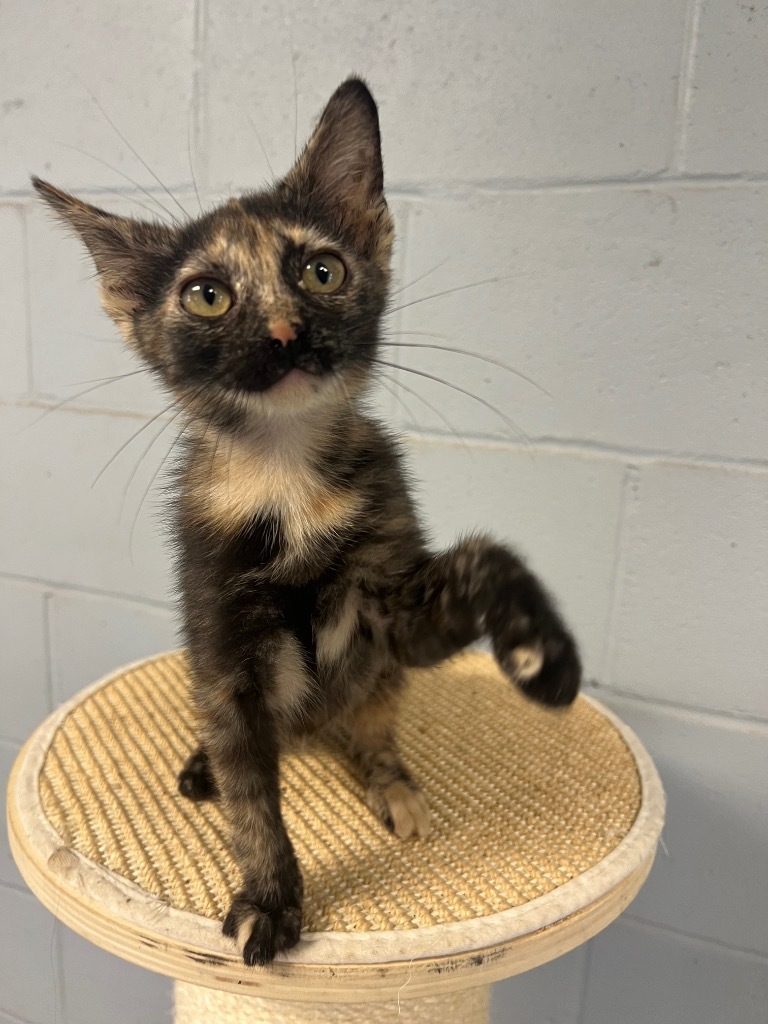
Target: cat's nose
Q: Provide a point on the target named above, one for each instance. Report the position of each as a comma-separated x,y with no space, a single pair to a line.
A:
283,331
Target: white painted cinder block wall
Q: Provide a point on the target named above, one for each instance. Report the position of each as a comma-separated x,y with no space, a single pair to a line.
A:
610,160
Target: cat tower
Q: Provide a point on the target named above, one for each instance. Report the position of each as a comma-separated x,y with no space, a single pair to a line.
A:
545,825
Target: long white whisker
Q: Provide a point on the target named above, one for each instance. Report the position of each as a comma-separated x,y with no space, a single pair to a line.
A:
116,170
421,277
432,408
141,160
470,355
514,427
450,291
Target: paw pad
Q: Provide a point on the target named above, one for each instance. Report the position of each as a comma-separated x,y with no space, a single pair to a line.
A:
525,663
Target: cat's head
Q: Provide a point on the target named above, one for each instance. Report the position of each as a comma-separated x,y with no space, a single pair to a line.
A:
271,303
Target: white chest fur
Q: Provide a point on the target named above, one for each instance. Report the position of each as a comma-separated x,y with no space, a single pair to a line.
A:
274,477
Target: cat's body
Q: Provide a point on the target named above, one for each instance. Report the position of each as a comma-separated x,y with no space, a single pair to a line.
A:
327,535
306,582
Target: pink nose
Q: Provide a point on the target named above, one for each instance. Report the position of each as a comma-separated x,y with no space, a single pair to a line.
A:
282,331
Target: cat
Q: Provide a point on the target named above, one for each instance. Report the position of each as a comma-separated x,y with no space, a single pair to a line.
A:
306,583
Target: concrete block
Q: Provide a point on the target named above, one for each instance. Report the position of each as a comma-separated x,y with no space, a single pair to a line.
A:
538,92
711,881
136,62
23,659
559,512
91,635
550,994
693,595
9,873
61,527
101,987
641,344
30,988
641,975
725,124
14,381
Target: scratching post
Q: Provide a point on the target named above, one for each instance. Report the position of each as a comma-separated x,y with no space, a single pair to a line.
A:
545,825
195,1005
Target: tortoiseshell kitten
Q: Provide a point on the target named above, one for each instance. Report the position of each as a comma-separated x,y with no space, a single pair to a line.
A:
307,586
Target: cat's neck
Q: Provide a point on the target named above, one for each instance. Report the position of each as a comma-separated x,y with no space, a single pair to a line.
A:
275,466
300,437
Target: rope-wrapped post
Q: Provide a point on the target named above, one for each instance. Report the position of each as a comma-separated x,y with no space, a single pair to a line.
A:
196,1005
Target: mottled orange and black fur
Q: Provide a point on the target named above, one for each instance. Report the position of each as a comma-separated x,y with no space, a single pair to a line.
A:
306,582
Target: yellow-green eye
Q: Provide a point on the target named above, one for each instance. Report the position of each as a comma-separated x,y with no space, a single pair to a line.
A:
323,274
206,297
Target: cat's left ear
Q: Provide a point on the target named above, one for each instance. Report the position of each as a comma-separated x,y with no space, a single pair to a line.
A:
129,254
341,168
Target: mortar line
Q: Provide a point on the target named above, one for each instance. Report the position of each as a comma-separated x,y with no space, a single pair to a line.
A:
629,482
605,692
48,644
535,445
403,244
57,586
20,887
26,195
595,450
660,181
462,189
12,1018
685,89
199,41
46,404
696,937
585,984
26,264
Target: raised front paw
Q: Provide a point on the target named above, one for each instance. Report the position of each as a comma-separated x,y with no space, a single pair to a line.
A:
541,656
263,927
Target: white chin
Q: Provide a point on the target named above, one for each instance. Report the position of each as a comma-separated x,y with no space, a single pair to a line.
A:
296,392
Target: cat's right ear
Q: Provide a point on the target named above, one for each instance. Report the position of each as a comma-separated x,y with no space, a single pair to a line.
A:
126,252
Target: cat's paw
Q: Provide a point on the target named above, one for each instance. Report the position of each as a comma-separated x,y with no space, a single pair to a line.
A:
402,808
546,666
196,780
262,928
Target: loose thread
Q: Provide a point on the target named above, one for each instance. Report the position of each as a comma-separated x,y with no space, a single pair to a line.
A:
405,985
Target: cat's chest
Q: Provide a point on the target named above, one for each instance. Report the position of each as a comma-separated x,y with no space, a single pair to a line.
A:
280,484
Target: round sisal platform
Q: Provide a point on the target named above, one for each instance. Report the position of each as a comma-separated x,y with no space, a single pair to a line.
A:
545,825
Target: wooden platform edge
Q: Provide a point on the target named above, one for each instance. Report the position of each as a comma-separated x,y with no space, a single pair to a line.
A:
334,967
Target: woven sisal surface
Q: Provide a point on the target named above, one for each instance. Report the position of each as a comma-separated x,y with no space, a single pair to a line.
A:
523,800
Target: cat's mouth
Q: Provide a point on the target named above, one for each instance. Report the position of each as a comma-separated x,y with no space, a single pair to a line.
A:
293,392
296,382
287,367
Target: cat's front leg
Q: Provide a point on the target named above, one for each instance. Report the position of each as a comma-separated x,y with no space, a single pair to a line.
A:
240,739
391,792
481,588
196,780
